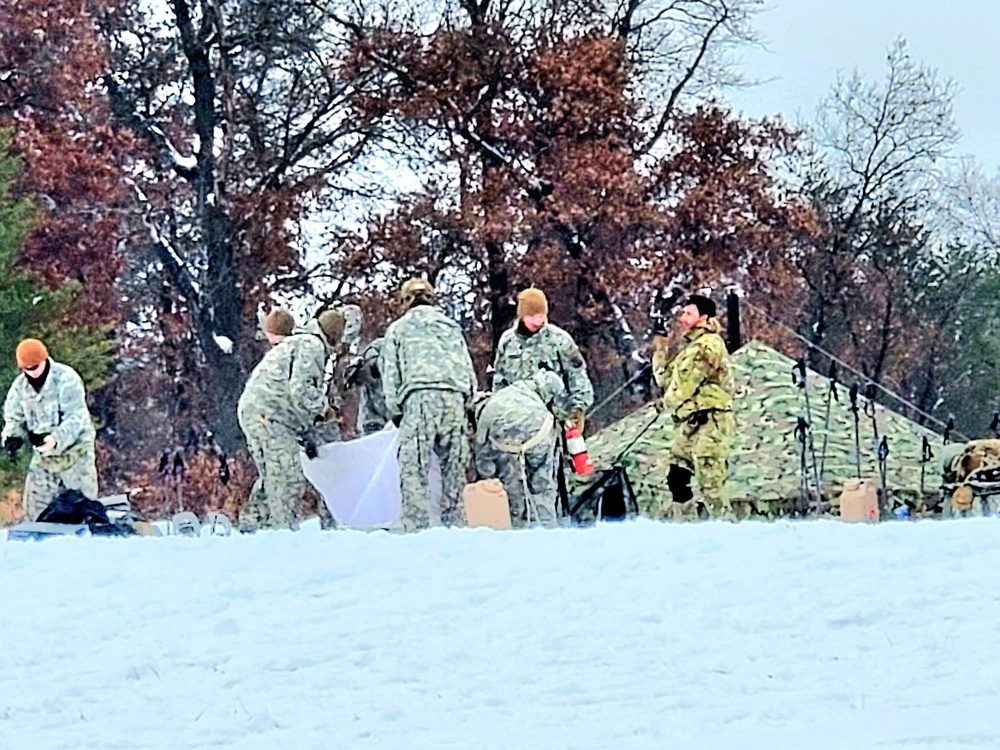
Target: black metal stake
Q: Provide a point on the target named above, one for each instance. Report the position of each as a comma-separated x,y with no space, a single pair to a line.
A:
831,395
799,378
857,428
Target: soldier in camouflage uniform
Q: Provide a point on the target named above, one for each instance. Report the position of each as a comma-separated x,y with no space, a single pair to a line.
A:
46,406
327,428
698,391
516,442
534,343
428,382
367,378
278,325
283,400
971,477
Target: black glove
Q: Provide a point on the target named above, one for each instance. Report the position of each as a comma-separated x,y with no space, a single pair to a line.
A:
310,448
11,446
35,439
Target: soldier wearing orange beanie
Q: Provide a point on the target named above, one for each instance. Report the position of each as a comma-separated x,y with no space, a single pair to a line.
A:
46,407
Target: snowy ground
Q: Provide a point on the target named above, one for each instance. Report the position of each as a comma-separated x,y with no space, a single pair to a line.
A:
790,635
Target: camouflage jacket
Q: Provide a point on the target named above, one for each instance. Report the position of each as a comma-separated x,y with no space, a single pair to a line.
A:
288,384
424,350
517,412
58,409
372,412
520,356
699,376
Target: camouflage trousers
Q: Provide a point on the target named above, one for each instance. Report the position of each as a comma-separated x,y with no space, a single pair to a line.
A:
276,498
47,478
701,446
433,421
535,470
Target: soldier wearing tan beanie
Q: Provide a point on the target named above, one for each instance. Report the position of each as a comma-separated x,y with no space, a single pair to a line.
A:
282,403
533,344
532,308
278,324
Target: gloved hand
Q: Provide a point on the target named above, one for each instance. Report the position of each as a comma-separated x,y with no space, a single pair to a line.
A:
309,446
11,446
35,439
329,415
578,418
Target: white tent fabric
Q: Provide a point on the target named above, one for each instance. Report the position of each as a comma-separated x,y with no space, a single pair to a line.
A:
359,479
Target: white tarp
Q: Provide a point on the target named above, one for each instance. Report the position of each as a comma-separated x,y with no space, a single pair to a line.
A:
359,479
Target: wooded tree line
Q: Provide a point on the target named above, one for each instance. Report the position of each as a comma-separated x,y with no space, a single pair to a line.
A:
170,167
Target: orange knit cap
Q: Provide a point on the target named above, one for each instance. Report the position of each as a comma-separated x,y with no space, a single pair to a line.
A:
31,353
531,302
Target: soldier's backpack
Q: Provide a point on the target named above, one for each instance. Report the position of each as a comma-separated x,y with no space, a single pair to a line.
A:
73,507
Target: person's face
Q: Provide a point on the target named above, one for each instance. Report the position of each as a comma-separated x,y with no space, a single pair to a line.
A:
35,371
534,322
273,338
690,317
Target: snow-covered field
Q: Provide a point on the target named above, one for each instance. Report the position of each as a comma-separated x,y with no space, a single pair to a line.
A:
642,635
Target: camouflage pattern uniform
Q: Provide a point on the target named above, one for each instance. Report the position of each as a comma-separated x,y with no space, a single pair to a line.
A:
327,428
971,477
58,409
699,392
520,355
372,413
428,381
516,443
280,404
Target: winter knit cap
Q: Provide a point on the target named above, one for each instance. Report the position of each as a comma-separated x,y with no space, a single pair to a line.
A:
31,353
331,322
530,302
279,322
416,290
704,304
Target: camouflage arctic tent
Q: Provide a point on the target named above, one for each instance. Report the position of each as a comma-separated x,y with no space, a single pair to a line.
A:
765,466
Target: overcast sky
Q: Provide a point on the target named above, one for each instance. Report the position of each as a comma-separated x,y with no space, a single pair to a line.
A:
808,41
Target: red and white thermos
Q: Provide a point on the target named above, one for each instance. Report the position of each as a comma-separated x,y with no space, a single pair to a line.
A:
577,448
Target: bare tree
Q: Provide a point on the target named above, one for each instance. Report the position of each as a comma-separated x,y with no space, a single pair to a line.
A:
248,123
873,175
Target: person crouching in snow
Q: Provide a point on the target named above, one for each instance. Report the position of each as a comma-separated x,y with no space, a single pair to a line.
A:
46,407
283,399
516,442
